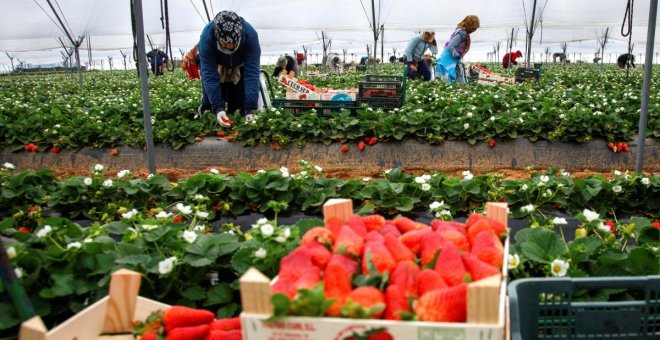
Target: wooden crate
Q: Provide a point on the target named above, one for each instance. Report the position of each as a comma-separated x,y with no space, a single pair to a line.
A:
485,305
112,314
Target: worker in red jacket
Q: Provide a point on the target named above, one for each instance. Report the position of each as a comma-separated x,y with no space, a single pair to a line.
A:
510,59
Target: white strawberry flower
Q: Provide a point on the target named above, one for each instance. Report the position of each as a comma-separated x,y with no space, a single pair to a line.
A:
513,261
617,173
107,183
260,253
467,175
646,181
200,198
559,221
286,233
11,252
261,171
524,187
466,126
420,180
443,212
184,209
426,187
318,168
602,227
8,166
544,178
267,230
88,240
87,181
123,173
617,188
73,245
527,208
366,179
280,239
559,267
590,215
98,168
214,171
18,271
189,236
129,214
202,214
492,118
163,214
284,171
43,232
435,205
165,266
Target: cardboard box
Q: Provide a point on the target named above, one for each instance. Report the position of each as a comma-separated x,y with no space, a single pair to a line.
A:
303,96
485,306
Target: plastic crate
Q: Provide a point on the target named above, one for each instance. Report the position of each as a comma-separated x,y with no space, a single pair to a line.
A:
544,308
322,107
527,74
381,102
379,77
381,89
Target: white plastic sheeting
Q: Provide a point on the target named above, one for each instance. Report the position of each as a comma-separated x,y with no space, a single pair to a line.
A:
29,30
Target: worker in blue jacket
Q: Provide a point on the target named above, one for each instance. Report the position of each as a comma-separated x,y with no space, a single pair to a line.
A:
415,50
229,54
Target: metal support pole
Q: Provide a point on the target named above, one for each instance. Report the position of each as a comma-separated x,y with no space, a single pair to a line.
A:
530,34
648,66
78,60
382,44
144,85
375,28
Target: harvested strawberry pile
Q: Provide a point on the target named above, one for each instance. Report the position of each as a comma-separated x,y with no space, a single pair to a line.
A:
370,267
185,323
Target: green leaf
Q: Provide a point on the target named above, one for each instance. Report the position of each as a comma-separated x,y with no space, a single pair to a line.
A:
541,245
62,285
116,227
227,311
281,305
306,224
642,261
194,293
220,294
583,248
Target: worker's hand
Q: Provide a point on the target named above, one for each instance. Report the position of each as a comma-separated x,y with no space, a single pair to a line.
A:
223,120
413,67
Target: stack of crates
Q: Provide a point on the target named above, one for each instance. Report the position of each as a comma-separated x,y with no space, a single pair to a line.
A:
381,91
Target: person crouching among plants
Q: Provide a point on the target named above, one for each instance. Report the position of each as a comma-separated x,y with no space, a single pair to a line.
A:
449,66
417,65
229,54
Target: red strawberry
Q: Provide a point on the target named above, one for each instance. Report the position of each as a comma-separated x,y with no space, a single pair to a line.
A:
181,316
296,264
611,225
625,147
149,336
361,145
396,302
382,335
319,253
221,133
619,147
344,148
55,149
357,224
397,249
405,224
484,224
610,145
178,219
654,224
319,234
373,140
390,228
439,225
366,139
445,305
114,152
478,269
491,143
493,224
430,245
413,239
488,248
429,280
227,120
380,256
334,225
226,324
24,230
348,242
450,266
364,302
374,236
405,277
337,278
188,333
455,237
234,334
373,222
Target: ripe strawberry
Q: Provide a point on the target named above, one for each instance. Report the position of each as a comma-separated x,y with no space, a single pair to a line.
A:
366,139
226,324
357,224
611,225
429,280
382,335
390,228
396,302
297,271
55,149
619,147
361,145
491,143
221,133
610,145
450,266
189,333
373,222
24,230
234,334
334,225
228,121
478,269
319,234
625,147
492,224
364,302
114,152
181,316
319,253
344,148
337,279
484,225
405,224
413,239
455,237
445,305
654,224
380,256
405,277
149,336
397,249
178,219
488,248
439,225
348,242
430,245
373,141
374,236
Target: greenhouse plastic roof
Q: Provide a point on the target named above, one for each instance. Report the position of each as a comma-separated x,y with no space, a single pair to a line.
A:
30,32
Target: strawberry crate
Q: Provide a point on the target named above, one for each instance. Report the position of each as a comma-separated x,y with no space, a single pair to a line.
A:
110,315
485,305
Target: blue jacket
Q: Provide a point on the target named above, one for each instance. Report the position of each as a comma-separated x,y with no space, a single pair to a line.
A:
416,47
248,53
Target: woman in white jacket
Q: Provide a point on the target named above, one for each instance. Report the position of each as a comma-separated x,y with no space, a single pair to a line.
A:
414,52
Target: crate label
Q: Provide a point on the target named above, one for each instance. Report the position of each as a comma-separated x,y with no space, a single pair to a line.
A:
294,85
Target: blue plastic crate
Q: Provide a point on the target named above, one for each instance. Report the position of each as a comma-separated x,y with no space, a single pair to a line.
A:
545,308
